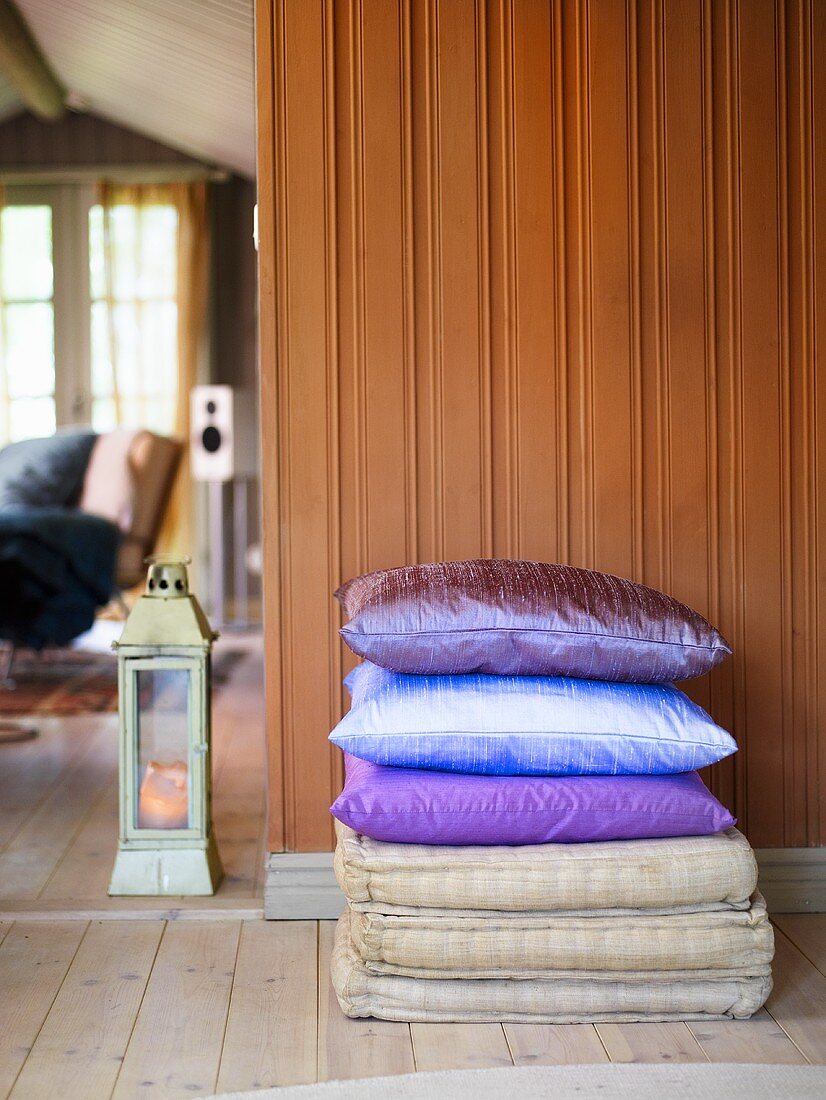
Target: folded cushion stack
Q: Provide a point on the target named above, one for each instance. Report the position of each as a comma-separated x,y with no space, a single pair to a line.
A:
522,835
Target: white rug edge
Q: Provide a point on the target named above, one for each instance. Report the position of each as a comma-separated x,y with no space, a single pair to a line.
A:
635,1081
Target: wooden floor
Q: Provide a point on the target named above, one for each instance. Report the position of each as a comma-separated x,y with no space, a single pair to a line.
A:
180,1008
105,998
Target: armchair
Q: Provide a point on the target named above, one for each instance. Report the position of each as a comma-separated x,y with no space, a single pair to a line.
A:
59,564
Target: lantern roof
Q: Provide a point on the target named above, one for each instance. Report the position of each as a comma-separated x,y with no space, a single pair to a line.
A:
167,615
174,622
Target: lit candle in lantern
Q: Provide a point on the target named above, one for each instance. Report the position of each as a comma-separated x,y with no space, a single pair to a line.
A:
163,800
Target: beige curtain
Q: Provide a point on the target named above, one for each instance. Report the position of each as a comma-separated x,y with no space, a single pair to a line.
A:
190,201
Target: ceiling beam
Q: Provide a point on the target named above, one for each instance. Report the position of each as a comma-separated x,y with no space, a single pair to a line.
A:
25,67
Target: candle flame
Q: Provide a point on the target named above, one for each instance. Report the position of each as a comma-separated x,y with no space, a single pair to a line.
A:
163,799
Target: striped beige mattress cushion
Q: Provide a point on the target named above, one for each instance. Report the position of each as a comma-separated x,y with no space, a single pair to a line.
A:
695,872
586,998
526,945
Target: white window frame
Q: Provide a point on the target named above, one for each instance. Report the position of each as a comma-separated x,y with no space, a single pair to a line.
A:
70,205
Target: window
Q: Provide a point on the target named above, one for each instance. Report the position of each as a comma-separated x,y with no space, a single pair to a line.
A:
88,312
134,315
27,378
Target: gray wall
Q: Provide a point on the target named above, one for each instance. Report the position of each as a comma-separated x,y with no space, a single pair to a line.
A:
78,140
234,321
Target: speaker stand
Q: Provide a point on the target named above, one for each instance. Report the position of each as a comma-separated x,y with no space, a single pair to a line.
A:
240,538
216,552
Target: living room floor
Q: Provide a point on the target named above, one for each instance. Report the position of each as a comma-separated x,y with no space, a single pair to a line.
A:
103,997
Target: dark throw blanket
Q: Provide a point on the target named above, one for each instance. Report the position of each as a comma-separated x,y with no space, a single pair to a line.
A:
57,567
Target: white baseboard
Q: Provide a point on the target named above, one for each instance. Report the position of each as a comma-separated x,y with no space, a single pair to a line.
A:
793,880
301,886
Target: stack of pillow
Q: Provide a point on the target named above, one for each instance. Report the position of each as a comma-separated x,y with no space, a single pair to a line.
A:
523,834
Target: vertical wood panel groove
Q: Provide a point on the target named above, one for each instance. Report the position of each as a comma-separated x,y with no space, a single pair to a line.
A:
634,282
711,373
812,592
409,276
436,363
331,336
362,367
560,316
591,503
709,298
817,53
271,512
663,358
785,414
738,435
285,437
510,320
483,235
281,285
586,295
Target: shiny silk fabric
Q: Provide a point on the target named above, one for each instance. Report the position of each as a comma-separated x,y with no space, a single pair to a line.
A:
526,725
522,618
412,806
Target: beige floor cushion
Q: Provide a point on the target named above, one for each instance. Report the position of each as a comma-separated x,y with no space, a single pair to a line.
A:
583,999
718,870
507,946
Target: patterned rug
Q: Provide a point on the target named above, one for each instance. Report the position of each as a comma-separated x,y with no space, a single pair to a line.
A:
70,681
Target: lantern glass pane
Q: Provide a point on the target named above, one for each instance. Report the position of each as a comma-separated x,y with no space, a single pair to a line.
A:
163,800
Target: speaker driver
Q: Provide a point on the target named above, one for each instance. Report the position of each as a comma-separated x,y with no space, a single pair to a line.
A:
211,439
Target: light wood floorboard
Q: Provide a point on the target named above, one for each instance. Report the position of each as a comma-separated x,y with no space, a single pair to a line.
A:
355,1048
554,1044
459,1046
808,931
30,857
86,865
654,1042
272,1029
30,769
34,960
80,1046
798,1001
175,1047
758,1040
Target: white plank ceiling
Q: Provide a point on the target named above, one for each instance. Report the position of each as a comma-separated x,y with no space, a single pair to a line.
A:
179,71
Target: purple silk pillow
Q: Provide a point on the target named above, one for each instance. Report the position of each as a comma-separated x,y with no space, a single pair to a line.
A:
524,618
426,807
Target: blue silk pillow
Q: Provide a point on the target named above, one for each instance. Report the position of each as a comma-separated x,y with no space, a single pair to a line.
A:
526,725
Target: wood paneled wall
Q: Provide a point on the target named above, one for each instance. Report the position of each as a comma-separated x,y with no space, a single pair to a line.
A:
545,278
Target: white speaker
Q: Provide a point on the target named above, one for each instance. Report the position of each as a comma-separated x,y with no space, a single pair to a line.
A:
222,434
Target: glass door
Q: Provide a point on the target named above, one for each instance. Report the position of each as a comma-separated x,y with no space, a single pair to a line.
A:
88,312
27,321
44,309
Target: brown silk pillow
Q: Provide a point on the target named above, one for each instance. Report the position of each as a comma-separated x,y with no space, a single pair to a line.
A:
525,618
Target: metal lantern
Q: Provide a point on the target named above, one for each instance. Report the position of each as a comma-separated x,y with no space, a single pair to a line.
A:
166,845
